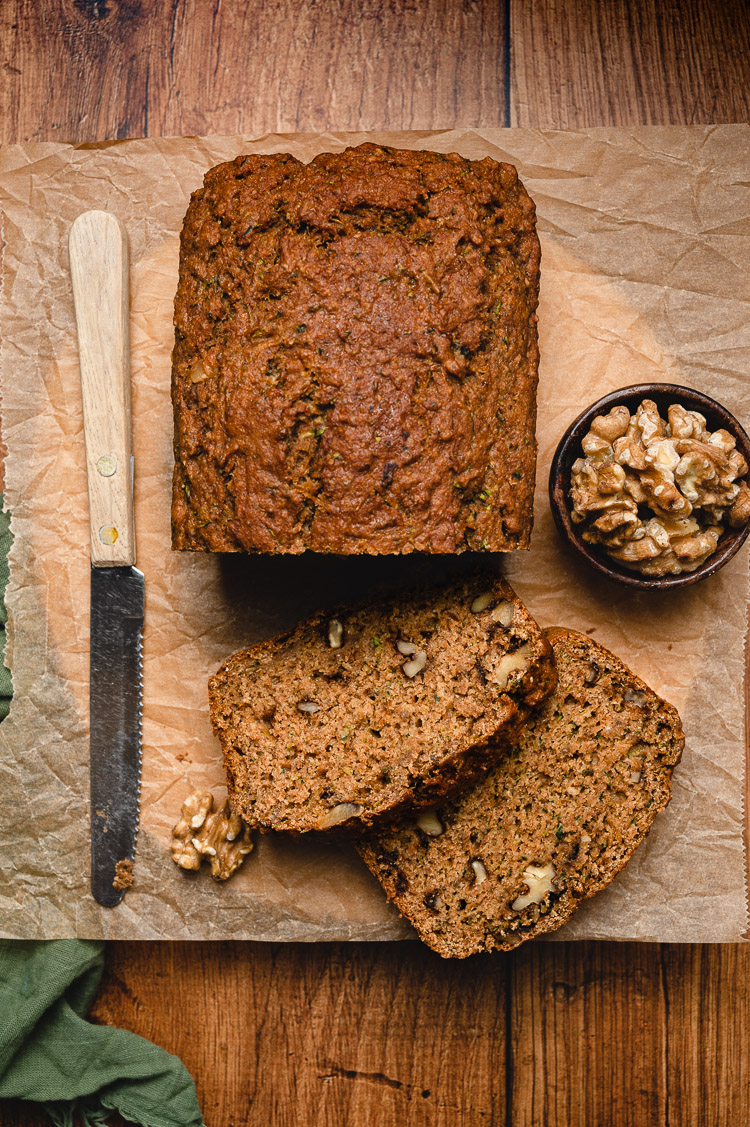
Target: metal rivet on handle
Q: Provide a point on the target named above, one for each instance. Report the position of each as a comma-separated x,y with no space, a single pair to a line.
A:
107,465
108,534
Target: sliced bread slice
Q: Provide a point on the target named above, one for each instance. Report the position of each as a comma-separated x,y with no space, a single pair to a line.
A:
553,821
355,716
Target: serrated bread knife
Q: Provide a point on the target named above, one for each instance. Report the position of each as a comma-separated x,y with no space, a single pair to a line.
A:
99,272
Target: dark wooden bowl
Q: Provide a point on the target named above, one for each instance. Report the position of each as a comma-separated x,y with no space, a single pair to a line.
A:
570,448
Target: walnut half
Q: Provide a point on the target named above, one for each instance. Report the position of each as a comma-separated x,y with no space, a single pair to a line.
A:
202,833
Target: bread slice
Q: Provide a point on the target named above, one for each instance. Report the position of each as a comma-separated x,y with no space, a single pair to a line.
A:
357,715
551,824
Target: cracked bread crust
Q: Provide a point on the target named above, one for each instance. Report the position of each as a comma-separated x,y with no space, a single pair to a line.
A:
566,806
355,358
319,736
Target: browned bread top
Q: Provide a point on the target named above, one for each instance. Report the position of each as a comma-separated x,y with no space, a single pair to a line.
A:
355,357
553,821
355,716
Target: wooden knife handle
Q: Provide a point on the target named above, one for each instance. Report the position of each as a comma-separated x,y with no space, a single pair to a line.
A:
99,272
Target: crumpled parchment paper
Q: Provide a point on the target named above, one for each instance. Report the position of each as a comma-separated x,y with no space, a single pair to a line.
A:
645,277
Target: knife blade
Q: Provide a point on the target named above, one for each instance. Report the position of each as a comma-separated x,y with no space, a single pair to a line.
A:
99,274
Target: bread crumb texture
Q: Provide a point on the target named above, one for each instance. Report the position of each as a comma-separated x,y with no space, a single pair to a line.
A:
124,878
355,359
552,822
334,728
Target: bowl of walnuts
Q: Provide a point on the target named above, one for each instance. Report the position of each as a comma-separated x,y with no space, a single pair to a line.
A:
650,486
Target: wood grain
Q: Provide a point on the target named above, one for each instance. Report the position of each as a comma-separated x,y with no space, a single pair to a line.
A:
99,274
653,1032
594,1017
707,992
331,1033
352,1036
84,70
582,63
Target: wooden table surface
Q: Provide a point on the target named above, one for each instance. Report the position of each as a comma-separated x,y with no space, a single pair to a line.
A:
368,1035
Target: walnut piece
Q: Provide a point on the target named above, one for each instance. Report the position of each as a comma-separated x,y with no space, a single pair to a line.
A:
656,494
339,813
220,836
511,665
540,880
430,824
416,665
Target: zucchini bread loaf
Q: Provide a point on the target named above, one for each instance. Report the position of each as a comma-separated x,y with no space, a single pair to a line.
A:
355,716
355,358
551,824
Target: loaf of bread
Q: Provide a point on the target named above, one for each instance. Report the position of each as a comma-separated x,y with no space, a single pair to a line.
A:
552,822
355,716
355,358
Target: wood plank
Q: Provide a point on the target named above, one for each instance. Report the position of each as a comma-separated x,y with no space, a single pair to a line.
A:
582,63
588,1036
76,69
629,1033
707,991
86,70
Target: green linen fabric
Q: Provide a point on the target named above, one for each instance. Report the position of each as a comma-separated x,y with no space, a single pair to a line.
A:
51,1055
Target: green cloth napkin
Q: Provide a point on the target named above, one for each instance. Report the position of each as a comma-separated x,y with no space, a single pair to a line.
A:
48,1052
51,1055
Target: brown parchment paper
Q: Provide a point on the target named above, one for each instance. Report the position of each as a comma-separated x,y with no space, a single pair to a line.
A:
645,276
